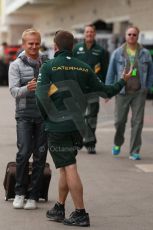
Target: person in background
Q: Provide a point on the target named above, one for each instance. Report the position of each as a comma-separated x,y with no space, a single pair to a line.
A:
133,96
4,63
3,55
62,87
31,135
97,58
44,50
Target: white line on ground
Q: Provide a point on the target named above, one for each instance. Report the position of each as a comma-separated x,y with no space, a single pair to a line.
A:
145,167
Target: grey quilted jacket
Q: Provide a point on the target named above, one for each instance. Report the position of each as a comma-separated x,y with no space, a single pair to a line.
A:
19,75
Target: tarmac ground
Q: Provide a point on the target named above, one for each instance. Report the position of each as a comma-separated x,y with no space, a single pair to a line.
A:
118,192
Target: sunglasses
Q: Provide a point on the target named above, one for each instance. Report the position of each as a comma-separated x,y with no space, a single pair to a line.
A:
134,35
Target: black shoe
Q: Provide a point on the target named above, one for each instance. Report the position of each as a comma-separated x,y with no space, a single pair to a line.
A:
78,219
91,150
57,213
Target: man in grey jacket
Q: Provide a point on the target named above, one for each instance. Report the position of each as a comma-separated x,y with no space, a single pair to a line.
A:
31,136
133,95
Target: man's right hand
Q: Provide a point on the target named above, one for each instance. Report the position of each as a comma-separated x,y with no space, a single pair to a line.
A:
32,85
126,76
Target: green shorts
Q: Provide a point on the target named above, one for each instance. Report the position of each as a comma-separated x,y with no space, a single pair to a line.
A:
63,147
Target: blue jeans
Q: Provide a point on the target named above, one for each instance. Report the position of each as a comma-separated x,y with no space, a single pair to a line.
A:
31,139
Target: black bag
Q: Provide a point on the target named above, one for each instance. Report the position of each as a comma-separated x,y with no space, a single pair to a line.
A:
9,181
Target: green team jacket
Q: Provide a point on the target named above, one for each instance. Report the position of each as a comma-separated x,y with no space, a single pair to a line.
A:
96,57
64,86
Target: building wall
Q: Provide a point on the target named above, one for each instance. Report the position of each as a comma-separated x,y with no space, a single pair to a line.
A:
15,32
78,13
0,7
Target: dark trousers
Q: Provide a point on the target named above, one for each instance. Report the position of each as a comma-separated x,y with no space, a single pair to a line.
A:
31,139
91,119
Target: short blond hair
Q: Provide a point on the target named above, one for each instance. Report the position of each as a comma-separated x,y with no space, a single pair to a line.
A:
31,31
133,27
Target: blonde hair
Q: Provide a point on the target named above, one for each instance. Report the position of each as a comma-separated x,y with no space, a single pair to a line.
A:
133,27
31,31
